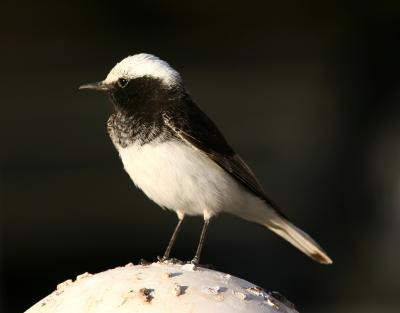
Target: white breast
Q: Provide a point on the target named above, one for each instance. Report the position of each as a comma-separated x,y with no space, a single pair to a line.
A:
181,178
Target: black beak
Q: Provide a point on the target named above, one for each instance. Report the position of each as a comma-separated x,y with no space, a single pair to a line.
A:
95,86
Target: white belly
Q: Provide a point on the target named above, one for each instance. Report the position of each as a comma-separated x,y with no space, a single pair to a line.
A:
181,178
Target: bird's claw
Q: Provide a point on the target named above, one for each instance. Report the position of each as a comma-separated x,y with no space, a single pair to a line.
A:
169,260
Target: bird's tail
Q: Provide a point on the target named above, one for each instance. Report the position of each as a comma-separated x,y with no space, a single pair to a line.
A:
281,226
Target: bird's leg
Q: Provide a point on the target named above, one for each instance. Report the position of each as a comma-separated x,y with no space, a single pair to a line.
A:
196,258
172,240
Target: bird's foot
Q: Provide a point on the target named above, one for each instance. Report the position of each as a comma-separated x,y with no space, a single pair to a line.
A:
195,261
196,264
170,260
161,259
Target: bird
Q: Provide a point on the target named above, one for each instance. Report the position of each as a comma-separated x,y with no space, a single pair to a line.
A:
177,156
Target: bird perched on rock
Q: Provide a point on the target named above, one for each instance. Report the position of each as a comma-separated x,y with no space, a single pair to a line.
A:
178,157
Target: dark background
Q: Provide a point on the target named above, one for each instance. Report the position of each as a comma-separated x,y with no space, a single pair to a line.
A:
306,91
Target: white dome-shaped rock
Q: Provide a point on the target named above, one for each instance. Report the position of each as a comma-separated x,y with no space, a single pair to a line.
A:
160,287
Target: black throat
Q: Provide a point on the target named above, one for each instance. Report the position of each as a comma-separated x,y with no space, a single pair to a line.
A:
138,111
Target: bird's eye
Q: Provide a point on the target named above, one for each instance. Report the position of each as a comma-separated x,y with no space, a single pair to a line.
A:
122,82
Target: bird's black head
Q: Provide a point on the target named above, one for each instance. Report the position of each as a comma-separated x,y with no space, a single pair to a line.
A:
141,82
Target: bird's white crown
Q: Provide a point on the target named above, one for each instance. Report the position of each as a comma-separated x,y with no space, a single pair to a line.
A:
143,64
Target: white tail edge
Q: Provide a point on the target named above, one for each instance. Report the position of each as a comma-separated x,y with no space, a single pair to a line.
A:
298,238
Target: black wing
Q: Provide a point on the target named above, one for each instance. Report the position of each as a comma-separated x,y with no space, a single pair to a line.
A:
194,127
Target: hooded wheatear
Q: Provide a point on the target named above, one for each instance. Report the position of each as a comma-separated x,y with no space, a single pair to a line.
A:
178,157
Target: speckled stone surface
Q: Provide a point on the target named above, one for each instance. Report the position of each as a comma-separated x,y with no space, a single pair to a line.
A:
160,287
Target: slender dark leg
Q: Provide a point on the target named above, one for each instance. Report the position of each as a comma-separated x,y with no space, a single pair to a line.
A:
196,258
172,240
